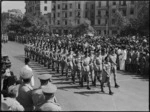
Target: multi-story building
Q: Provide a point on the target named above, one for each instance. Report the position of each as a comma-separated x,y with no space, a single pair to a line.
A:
68,14
104,19
37,8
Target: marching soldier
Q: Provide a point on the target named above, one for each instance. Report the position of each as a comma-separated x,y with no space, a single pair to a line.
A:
77,67
92,56
113,60
63,62
106,75
86,70
98,64
69,63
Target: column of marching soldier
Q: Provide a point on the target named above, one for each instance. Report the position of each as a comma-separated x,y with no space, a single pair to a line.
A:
75,60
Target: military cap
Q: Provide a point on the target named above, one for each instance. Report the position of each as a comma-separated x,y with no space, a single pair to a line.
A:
45,76
49,88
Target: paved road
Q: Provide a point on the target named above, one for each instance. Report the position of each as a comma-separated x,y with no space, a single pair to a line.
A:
133,94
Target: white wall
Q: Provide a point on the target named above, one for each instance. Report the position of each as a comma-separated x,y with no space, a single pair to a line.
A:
43,4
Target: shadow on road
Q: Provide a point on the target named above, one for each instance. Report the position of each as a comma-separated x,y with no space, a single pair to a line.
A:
85,93
135,76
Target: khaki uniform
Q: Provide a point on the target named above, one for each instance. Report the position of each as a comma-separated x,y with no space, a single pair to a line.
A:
25,97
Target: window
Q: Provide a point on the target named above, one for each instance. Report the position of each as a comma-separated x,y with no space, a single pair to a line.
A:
65,15
54,15
45,1
113,11
45,8
132,2
58,22
107,14
104,31
78,14
58,6
78,6
107,3
114,3
78,21
66,6
99,22
70,6
86,7
124,12
58,14
92,6
70,14
124,3
65,22
113,21
86,14
99,4
99,13
132,11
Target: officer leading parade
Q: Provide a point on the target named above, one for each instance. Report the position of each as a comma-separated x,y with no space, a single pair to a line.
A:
94,59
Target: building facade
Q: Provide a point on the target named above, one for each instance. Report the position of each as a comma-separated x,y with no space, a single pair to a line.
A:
105,23
68,14
37,8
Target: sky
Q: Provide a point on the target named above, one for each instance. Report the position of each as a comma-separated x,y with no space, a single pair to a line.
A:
8,5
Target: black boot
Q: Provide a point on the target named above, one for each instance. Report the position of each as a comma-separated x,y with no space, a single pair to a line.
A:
116,85
88,87
111,93
102,90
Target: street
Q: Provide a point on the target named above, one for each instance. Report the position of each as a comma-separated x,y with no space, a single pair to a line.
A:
133,94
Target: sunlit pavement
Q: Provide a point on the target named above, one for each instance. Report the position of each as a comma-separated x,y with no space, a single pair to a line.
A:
133,94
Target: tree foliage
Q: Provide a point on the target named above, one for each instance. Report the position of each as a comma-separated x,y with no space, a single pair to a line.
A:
84,28
137,24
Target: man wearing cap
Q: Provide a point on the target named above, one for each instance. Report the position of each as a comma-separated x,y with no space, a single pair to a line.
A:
25,90
26,67
37,94
10,103
49,103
